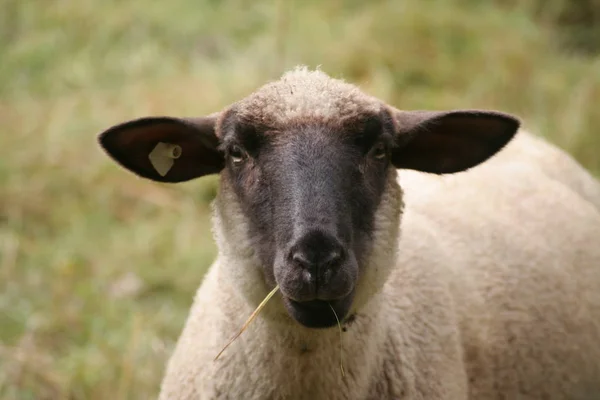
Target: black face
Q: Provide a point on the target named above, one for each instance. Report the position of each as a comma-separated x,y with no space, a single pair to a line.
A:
310,194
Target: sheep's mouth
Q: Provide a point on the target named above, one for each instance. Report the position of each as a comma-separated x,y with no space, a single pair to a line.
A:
319,313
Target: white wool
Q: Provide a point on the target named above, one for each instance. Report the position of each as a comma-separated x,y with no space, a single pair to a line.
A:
554,163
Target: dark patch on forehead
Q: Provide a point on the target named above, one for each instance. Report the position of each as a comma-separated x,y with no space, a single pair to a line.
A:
369,126
253,130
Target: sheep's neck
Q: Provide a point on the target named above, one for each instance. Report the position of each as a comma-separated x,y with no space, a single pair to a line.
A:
310,357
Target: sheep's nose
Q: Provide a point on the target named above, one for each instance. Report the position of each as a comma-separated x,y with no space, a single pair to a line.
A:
316,251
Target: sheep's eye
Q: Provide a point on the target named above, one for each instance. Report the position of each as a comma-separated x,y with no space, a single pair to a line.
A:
379,151
237,154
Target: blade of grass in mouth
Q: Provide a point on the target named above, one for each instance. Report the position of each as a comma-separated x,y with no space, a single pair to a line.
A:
341,345
250,319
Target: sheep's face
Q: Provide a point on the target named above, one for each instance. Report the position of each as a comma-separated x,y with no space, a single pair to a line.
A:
309,192
306,164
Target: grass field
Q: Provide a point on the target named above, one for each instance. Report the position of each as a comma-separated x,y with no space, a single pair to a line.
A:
98,268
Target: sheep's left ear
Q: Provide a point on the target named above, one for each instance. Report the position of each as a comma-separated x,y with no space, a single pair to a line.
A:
444,142
165,149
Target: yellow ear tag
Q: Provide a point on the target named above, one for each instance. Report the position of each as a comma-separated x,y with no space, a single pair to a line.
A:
163,156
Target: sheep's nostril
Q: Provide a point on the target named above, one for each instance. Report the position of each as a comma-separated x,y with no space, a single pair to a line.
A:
332,260
301,260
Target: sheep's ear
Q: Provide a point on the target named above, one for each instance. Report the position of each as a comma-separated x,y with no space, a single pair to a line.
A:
165,149
444,142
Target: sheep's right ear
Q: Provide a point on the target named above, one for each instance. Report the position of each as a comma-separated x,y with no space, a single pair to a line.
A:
165,149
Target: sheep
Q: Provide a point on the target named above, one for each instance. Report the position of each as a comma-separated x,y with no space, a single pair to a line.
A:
461,264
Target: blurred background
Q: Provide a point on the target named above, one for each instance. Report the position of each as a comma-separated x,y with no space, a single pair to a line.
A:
97,267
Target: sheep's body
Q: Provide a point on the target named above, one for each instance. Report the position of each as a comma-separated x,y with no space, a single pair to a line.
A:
524,272
495,295
473,285
553,162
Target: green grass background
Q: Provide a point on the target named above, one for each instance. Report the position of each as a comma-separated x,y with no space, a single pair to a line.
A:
98,268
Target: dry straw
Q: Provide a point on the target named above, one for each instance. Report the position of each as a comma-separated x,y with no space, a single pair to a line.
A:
341,345
250,319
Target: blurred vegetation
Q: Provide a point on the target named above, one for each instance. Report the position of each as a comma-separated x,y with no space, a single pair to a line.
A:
98,268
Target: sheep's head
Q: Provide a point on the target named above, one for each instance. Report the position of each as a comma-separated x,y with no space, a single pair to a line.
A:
310,164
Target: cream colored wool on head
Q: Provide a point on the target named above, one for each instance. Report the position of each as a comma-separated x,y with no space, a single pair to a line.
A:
483,284
301,94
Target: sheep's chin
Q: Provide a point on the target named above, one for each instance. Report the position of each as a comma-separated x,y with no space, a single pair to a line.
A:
318,313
